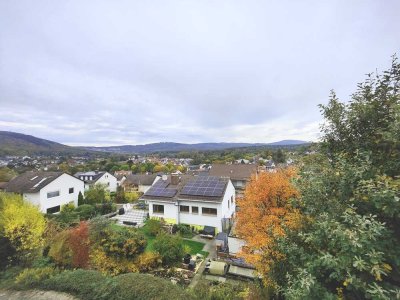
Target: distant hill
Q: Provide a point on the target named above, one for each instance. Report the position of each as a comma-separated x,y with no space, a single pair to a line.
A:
12,143
288,143
176,147
170,147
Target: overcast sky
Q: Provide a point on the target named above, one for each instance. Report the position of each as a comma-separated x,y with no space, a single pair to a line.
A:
133,72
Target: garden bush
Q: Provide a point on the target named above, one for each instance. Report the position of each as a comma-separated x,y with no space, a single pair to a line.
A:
69,207
143,286
90,285
184,229
152,227
86,211
60,251
170,247
83,283
105,208
148,261
43,261
124,242
33,277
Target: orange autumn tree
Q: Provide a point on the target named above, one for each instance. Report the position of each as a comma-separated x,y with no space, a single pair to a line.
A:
265,212
79,245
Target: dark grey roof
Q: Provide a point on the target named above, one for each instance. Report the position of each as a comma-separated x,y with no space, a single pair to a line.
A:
140,179
31,182
185,180
234,172
93,175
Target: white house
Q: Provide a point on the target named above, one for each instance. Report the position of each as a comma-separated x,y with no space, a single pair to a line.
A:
48,190
104,178
194,200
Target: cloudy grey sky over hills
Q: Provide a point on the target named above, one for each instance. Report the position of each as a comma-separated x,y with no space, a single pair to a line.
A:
130,72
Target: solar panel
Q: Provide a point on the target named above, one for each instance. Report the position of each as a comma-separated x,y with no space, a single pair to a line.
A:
210,186
159,189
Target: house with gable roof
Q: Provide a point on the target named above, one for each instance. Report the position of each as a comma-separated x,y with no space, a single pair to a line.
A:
91,178
47,190
198,201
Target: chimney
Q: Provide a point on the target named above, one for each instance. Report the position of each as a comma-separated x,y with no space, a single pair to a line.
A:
174,179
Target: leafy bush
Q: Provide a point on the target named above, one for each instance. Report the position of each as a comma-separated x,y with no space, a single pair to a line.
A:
105,208
143,286
42,262
97,194
7,251
116,247
83,283
90,285
66,218
98,227
152,227
60,251
170,247
132,196
86,211
32,277
148,261
184,229
22,224
69,207
111,265
124,242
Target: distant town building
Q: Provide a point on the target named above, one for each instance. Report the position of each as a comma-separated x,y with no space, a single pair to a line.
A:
239,174
91,178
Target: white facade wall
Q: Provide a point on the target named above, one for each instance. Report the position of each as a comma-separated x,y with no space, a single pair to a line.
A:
170,209
108,180
200,219
33,198
62,184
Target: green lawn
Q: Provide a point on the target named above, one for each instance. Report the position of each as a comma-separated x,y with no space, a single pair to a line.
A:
195,247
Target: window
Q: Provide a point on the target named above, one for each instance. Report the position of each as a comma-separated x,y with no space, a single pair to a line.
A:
209,211
158,209
195,210
229,205
53,210
53,194
71,190
184,208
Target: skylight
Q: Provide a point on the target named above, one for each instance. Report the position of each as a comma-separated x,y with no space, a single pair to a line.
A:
39,182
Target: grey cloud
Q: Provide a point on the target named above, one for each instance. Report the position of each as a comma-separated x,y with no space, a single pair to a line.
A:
100,72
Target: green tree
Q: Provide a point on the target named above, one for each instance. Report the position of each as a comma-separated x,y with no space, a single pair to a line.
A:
81,200
97,194
120,195
170,247
349,245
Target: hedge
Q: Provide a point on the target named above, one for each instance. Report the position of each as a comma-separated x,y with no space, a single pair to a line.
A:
88,284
